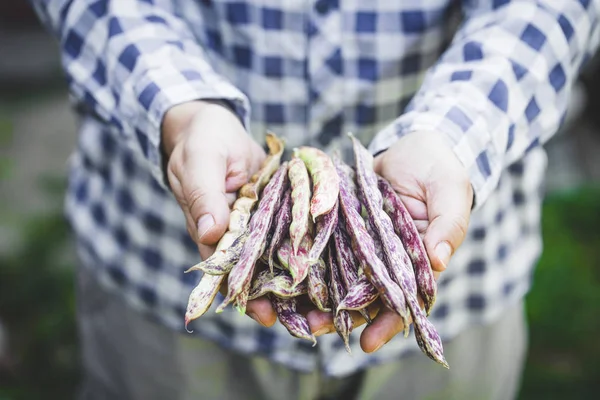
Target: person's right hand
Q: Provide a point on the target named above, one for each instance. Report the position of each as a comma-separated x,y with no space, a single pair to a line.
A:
210,156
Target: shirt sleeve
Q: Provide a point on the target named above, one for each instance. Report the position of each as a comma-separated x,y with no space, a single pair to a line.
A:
129,61
503,86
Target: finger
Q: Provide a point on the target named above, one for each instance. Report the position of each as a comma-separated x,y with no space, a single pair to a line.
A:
257,158
416,208
321,323
236,177
261,311
449,205
231,198
203,185
422,227
386,325
206,250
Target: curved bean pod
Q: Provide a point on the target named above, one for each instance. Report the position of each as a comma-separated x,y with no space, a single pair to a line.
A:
205,292
241,275
300,183
324,178
364,249
342,321
294,322
283,220
427,337
407,231
317,288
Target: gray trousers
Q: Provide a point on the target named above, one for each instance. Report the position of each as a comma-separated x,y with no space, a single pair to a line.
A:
127,357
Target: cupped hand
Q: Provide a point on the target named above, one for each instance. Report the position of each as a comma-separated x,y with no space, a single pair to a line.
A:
435,188
210,156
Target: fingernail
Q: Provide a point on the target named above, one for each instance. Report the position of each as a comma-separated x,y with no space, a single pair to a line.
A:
204,224
254,316
443,252
322,331
381,345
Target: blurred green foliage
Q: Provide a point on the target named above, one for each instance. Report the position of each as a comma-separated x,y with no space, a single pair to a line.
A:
37,305
564,304
37,308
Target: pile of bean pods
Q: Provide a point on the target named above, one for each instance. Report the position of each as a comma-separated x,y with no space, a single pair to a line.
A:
316,229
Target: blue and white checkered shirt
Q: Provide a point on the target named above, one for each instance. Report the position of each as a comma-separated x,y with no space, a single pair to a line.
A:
496,81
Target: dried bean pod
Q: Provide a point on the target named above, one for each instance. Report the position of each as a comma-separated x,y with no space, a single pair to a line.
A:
396,258
376,240
359,297
284,252
346,172
204,293
241,275
300,182
364,248
230,257
299,263
202,296
294,322
407,231
325,226
348,271
428,339
342,321
317,288
324,178
283,219
280,285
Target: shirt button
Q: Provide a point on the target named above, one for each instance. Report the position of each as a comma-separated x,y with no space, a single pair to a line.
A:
322,6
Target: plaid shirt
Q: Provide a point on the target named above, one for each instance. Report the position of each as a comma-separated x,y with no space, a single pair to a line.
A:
311,71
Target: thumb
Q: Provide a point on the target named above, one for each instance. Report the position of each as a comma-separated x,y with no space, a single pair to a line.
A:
448,206
205,196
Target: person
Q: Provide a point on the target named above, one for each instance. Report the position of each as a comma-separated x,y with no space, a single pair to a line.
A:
174,99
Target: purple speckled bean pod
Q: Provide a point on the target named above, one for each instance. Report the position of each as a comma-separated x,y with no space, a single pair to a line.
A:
407,231
325,226
359,297
346,173
260,222
300,183
317,287
395,256
284,252
299,263
364,249
279,283
224,260
205,292
378,246
324,178
202,296
342,321
428,339
283,219
294,322
349,273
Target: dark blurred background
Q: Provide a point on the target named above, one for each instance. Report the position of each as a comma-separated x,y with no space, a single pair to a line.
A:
38,352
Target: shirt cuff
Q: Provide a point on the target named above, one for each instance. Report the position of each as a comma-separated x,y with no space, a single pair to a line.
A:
452,133
157,91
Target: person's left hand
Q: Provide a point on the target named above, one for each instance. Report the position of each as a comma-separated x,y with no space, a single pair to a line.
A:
435,188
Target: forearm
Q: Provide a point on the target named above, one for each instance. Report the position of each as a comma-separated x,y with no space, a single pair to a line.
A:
129,61
504,84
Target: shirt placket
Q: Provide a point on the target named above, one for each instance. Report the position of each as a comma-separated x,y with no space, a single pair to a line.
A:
326,91
325,72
